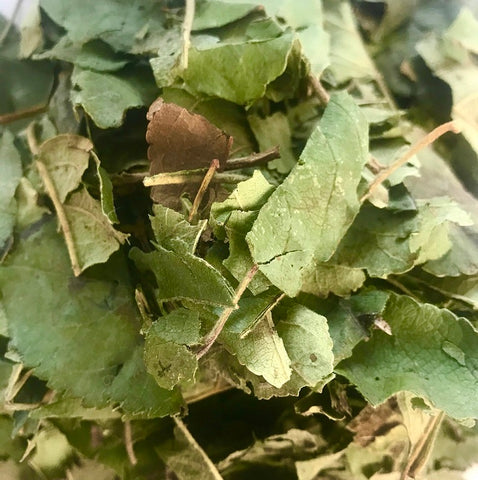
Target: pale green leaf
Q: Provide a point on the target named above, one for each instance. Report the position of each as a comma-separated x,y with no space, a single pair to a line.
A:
306,338
217,13
272,131
92,234
66,158
166,354
173,232
184,277
89,323
305,218
118,26
9,179
348,57
414,359
238,72
106,97
28,210
106,193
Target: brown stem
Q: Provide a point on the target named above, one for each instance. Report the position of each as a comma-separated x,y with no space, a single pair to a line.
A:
65,226
202,189
191,176
253,159
319,90
20,114
424,142
226,313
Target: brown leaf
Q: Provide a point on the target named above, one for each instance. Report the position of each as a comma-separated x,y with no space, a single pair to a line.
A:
181,140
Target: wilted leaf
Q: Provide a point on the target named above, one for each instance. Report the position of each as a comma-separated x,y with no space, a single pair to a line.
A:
305,218
9,180
414,358
183,277
80,316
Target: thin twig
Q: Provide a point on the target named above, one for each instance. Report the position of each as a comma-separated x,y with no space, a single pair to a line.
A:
65,226
7,28
185,176
128,441
32,139
18,386
187,26
213,471
253,159
424,142
226,313
421,452
319,90
20,114
202,188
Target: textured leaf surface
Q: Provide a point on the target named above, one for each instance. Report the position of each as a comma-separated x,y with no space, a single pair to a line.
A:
92,234
66,159
9,180
240,72
88,323
427,345
184,276
106,97
308,214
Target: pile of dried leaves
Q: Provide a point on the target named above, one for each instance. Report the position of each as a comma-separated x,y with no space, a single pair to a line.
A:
239,240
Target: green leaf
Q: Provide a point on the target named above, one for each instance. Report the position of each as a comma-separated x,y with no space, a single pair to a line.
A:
308,344
427,345
121,27
173,232
66,158
184,277
239,72
106,193
217,13
348,56
28,210
234,218
9,180
305,218
92,234
166,354
88,323
106,97
251,336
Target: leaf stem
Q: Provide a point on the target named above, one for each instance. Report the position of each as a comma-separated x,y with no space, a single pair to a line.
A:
65,226
20,114
421,452
226,313
187,26
319,89
202,188
424,142
128,441
253,159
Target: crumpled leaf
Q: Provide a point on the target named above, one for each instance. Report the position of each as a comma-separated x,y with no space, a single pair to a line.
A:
217,13
9,180
308,214
234,218
80,316
183,277
119,27
106,97
166,354
348,57
92,234
256,64
428,344
308,344
173,232
66,158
